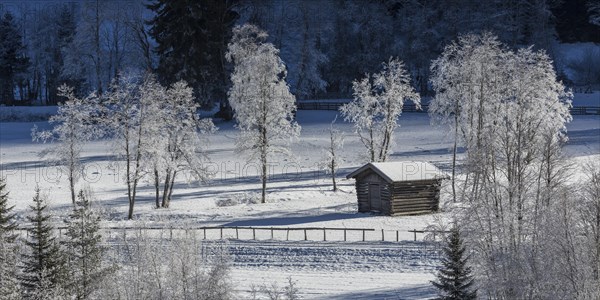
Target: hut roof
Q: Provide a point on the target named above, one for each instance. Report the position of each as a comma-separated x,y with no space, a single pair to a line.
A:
402,171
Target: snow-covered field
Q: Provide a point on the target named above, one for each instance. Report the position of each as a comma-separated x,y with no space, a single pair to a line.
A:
299,196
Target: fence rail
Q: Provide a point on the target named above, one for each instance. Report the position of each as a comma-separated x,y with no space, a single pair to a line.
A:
316,105
236,232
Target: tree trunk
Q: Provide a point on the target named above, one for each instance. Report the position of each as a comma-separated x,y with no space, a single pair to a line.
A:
454,156
97,47
171,185
371,144
157,187
333,174
165,204
263,161
72,184
72,169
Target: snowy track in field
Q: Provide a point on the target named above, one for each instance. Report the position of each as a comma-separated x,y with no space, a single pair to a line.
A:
337,270
336,257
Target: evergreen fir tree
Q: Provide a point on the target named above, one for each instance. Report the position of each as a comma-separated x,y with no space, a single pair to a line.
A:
84,249
192,38
43,264
7,223
454,280
9,283
13,61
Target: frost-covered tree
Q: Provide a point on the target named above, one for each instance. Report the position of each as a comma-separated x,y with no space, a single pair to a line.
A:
73,127
174,268
43,260
128,125
589,222
84,250
9,285
332,158
184,134
454,279
377,105
158,132
260,97
273,292
9,271
510,112
463,81
152,97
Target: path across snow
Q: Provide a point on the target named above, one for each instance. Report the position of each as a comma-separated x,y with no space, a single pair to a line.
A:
338,270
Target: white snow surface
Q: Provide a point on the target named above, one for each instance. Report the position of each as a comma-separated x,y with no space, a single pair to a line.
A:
587,99
299,195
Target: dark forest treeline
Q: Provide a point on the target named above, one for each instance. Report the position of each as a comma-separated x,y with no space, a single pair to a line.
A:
325,44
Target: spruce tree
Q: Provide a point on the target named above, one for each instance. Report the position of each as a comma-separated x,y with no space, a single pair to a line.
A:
454,279
9,283
84,250
43,263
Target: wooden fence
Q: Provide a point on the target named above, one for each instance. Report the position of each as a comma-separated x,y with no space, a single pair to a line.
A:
316,105
585,110
235,232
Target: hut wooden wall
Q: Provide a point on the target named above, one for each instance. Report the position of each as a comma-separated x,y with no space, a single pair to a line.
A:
414,197
362,192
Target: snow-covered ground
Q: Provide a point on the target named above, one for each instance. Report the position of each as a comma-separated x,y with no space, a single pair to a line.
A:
299,196
26,113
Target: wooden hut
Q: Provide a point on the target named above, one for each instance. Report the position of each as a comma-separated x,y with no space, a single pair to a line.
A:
398,188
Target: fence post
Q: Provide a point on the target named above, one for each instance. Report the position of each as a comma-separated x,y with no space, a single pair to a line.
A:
221,232
253,234
272,233
344,234
324,235
305,235
204,229
363,235
397,236
415,234
382,236
237,236
287,237
171,232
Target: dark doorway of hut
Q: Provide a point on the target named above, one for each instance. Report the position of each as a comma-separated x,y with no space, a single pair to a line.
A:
375,197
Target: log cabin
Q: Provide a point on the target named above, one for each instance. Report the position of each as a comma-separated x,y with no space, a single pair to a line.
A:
398,188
